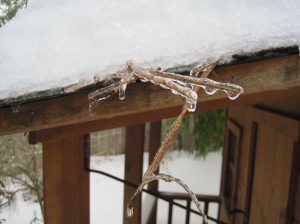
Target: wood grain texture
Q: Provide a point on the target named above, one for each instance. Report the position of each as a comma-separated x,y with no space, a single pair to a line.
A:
66,183
267,79
134,149
273,136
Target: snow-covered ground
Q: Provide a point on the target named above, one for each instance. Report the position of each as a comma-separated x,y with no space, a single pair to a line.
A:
22,211
201,175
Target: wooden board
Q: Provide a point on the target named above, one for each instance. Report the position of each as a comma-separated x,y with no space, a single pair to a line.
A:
267,79
297,203
134,149
66,183
268,139
271,181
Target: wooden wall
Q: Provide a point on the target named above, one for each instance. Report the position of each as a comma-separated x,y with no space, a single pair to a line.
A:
289,107
244,158
243,119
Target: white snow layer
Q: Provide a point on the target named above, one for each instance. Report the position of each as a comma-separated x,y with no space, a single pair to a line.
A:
54,43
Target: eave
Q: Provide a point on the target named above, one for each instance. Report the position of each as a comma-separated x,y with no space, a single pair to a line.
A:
264,79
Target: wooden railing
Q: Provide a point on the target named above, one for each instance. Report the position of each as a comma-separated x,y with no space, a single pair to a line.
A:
171,196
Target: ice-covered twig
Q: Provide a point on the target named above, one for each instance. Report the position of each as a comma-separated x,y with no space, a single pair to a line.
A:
185,86
178,84
149,174
166,178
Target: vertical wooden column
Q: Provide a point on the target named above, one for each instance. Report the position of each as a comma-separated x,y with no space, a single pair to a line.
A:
134,148
66,183
154,144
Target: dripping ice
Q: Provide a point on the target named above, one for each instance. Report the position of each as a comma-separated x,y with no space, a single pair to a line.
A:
129,211
178,85
173,83
122,90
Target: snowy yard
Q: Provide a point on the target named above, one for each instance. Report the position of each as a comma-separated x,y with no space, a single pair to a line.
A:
202,176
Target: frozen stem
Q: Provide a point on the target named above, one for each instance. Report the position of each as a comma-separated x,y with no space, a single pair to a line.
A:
166,178
185,86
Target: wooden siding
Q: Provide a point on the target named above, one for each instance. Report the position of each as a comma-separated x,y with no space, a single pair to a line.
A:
271,180
245,124
297,196
296,211
287,107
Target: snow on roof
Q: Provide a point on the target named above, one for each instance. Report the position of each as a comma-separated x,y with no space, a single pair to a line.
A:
54,43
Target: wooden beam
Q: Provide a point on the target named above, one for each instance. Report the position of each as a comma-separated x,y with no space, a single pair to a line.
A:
66,183
266,79
134,149
154,144
154,115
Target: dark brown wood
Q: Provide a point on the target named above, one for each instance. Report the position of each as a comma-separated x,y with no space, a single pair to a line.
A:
154,143
272,136
170,213
293,183
271,179
66,183
276,121
267,79
185,196
249,174
145,116
134,148
187,214
206,206
230,169
173,196
297,202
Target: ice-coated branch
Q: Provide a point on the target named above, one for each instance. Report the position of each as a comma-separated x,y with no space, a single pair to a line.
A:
178,84
149,174
167,178
185,86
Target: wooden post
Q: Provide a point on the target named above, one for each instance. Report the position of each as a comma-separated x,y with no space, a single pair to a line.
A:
66,183
134,148
154,144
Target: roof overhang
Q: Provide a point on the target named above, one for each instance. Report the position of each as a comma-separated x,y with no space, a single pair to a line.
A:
262,79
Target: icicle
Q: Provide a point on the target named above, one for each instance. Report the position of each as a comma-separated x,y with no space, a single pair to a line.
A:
122,90
129,211
96,96
16,108
191,101
210,90
191,105
144,80
232,94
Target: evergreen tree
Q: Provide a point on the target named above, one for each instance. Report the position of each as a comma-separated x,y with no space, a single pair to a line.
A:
199,132
9,8
20,163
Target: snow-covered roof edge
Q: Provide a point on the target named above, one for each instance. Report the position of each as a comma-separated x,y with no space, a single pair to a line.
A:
237,59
